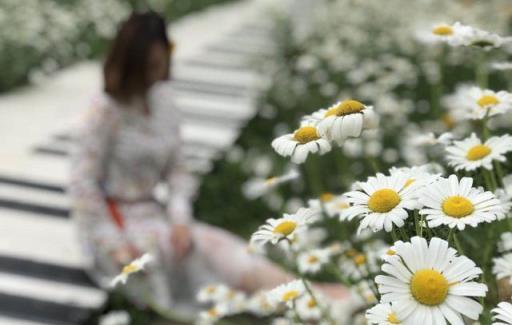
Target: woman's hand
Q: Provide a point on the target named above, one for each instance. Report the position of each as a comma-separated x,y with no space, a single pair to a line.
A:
181,240
125,253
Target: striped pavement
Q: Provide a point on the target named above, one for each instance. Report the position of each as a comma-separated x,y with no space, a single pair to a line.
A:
41,275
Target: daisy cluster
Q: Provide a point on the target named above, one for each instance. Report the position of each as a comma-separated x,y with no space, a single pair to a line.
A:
397,127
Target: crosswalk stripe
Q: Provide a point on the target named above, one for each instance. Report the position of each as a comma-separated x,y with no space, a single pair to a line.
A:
42,311
37,196
45,271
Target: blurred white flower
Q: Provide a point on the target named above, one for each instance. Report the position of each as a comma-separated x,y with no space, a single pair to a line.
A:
344,120
115,317
299,144
470,154
136,266
286,293
502,267
257,187
312,261
286,227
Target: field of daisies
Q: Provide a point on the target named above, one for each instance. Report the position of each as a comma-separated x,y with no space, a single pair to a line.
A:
379,160
38,37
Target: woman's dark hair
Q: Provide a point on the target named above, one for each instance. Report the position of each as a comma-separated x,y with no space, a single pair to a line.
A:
126,67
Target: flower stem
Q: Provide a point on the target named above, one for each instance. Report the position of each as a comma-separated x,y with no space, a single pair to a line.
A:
325,311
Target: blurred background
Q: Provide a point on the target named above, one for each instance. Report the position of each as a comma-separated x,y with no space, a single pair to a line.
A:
244,72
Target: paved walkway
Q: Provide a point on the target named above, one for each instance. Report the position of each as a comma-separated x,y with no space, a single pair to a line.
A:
41,280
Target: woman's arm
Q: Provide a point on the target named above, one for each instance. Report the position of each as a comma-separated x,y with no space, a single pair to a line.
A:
182,187
87,167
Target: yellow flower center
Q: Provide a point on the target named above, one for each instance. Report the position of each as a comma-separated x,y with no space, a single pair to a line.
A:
351,253
429,287
448,120
212,312
442,30
342,205
384,200
211,289
270,180
231,294
130,268
390,252
478,152
311,303
409,182
488,100
346,107
290,295
306,134
360,259
392,318
312,259
457,206
285,228
326,197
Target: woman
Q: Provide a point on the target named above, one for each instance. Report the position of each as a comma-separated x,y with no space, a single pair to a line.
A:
129,143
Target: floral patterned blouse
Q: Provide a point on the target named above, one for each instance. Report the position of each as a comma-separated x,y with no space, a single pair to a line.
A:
123,154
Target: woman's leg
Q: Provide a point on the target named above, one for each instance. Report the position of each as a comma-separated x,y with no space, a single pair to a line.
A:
230,259
228,255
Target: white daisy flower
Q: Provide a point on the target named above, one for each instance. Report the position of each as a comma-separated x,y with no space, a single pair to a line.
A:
312,260
484,39
284,228
455,34
389,253
344,120
503,314
426,283
474,103
464,35
506,203
115,317
470,153
212,315
259,305
257,187
283,321
501,66
502,267
382,202
233,301
299,144
382,314
308,307
286,293
456,203
134,267
505,243
333,205
212,293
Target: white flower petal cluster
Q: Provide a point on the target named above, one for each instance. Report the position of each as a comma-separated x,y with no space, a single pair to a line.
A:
382,202
503,314
455,203
136,266
472,153
286,227
430,284
299,144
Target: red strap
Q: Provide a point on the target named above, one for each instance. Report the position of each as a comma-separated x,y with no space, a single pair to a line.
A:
115,213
